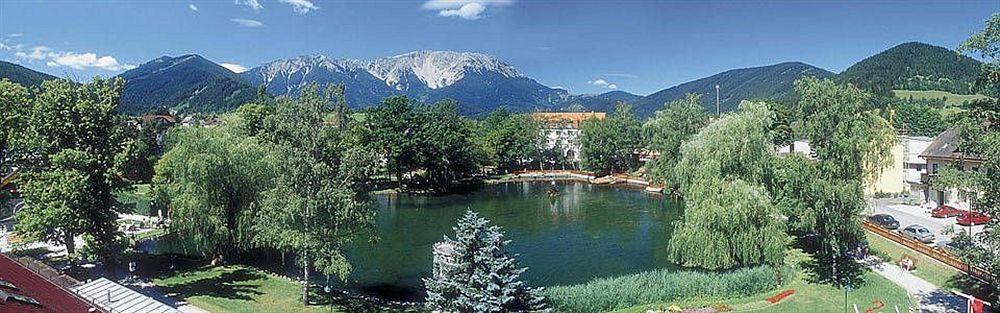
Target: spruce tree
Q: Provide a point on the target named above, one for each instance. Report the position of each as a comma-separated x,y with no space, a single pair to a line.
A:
474,273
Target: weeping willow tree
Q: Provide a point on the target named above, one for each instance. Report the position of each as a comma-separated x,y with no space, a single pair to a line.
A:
729,218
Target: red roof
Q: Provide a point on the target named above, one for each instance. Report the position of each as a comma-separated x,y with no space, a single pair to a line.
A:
51,297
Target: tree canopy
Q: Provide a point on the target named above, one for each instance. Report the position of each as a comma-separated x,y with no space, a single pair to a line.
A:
74,152
667,129
609,145
729,218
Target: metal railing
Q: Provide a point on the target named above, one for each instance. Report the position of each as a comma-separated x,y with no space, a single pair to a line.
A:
935,253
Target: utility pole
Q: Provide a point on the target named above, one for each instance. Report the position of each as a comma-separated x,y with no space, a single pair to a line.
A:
717,111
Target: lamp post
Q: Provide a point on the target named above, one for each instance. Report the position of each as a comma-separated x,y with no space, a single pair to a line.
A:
718,112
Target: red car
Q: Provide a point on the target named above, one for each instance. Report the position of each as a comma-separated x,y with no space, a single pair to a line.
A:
972,218
946,211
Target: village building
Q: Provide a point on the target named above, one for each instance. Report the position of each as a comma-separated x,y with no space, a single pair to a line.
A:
944,151
561,130
902,176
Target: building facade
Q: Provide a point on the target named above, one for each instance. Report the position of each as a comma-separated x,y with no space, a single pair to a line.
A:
942,152
561,130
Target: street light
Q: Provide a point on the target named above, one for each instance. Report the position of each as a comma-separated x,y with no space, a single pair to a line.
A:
718,112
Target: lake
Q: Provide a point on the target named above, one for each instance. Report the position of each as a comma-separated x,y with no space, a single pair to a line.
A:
587,231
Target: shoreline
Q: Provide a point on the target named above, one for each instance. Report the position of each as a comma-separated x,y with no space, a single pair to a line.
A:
618,180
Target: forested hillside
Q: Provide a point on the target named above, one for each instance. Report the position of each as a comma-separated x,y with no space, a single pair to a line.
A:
766,82
187,84
22,75
913,66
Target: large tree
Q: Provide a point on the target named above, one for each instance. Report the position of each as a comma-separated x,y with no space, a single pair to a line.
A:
509,139
447,150
978,128
729,218
844,132
211,179
851,143
14,105
667,129
72,132
474,273
392,126
320,199
609,145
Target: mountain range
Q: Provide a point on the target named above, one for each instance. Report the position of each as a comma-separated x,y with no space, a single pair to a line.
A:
481,83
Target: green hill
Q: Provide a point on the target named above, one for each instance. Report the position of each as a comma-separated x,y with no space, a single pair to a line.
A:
774,82
189,84
913,66
23,75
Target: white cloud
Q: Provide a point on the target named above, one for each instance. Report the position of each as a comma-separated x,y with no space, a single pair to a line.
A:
252,4
466,9
15,35
602,83
193,7
79,61
87,60
300,6
247,22
37,53
469,11
236,68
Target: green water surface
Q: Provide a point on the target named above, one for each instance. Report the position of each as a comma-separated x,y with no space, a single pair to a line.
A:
585,232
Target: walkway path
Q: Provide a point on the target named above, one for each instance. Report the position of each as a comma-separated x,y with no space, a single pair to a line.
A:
932,298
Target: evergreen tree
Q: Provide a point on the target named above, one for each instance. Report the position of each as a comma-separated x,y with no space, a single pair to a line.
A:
474,273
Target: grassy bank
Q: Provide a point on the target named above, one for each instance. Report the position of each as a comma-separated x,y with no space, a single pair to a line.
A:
609,294
238,288
929,269
809,296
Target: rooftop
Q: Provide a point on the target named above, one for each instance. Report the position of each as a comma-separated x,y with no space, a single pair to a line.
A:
945,146
565,119
22,286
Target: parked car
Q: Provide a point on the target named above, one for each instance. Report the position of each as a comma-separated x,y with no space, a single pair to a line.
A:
972,218
918,233
945,210
884,220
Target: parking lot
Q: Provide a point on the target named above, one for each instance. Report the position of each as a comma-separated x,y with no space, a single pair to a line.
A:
910,214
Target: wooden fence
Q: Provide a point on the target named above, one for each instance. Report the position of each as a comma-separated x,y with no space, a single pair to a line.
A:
935,253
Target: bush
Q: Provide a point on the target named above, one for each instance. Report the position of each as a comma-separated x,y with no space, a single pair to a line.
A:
609,294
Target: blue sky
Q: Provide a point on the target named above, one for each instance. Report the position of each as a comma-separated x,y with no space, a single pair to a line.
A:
637,46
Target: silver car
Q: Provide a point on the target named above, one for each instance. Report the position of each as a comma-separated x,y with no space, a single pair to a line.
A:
918,233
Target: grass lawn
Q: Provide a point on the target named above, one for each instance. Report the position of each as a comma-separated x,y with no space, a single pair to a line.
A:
928,268
808,297
238,288
138,200
952,99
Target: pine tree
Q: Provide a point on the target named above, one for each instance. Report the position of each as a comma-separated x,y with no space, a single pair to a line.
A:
474,273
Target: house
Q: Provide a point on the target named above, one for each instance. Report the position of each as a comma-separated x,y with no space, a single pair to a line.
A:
22,290
944,151
562,130
901,176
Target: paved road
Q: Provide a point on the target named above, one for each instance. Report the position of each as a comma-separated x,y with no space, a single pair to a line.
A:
932,299
909,214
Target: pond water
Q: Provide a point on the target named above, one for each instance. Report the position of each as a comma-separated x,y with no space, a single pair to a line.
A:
585,232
